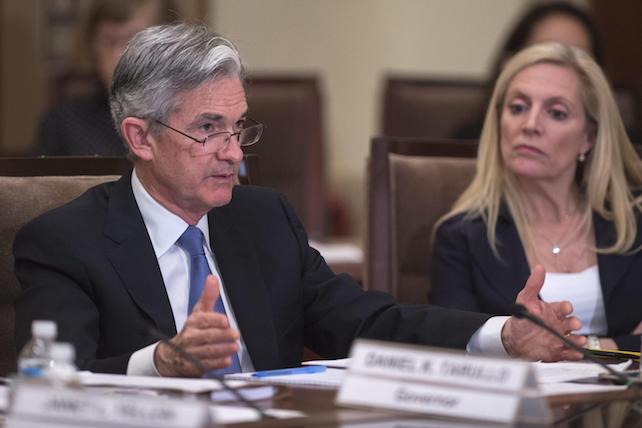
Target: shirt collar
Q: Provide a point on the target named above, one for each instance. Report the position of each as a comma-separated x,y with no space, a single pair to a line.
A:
163,226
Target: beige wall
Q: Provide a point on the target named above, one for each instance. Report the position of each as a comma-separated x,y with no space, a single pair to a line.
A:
351,44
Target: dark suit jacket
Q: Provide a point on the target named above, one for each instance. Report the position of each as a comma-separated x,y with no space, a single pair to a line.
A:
90,266
80,126
467,275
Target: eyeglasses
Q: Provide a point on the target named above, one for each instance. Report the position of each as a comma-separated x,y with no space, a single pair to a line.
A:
221,140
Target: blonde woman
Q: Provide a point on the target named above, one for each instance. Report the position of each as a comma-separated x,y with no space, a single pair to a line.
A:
558,184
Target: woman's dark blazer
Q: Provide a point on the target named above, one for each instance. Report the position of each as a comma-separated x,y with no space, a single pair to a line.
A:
467,275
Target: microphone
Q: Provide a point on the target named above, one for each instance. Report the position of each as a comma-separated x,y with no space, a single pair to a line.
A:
520,311
208,374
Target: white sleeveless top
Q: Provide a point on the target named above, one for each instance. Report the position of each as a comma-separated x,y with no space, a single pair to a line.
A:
583,290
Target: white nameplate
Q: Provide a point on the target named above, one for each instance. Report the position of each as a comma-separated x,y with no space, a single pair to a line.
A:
441,382
36,404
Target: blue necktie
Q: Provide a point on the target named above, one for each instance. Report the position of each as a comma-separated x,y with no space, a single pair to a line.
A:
192,241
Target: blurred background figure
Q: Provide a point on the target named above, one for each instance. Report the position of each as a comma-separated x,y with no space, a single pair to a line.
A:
558,184
79,122
546,22
551,22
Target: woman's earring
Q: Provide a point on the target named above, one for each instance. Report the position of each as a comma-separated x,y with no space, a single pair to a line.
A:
581,158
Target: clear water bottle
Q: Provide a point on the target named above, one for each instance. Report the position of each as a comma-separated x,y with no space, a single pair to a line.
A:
35,357
62,369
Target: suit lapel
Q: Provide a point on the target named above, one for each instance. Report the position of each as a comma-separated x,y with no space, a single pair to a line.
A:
611,266
133,257
507,275
238,265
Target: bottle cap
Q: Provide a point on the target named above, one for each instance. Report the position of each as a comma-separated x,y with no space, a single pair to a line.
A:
44,328
62,351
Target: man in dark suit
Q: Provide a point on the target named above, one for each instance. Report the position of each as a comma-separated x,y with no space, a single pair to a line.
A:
225,271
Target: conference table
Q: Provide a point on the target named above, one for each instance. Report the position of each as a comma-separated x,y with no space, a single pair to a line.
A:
610,409
613,409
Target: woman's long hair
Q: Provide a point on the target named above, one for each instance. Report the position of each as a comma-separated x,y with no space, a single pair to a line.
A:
611,170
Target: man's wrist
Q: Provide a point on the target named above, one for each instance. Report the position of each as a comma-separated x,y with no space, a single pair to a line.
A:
506,342
164,358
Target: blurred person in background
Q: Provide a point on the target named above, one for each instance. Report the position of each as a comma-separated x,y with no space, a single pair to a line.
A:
546,22
82,124
558,184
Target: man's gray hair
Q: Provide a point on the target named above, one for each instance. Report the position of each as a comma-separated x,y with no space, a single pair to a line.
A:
162,62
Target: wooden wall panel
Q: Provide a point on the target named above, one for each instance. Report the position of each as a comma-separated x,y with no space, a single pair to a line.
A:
620,24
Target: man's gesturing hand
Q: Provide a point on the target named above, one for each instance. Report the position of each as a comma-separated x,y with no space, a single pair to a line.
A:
521,338
206,335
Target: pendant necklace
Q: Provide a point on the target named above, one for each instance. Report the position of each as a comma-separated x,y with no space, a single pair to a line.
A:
555,249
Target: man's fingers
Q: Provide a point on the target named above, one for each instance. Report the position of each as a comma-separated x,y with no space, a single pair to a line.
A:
204,320
217,363
208,296
561,309
534,284
186,368
578,340
196,337
571,354
571,324
220,350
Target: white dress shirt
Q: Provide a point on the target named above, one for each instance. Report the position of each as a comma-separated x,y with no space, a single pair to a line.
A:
164,229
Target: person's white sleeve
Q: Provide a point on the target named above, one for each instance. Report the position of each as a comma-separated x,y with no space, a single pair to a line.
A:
487,339
141,363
